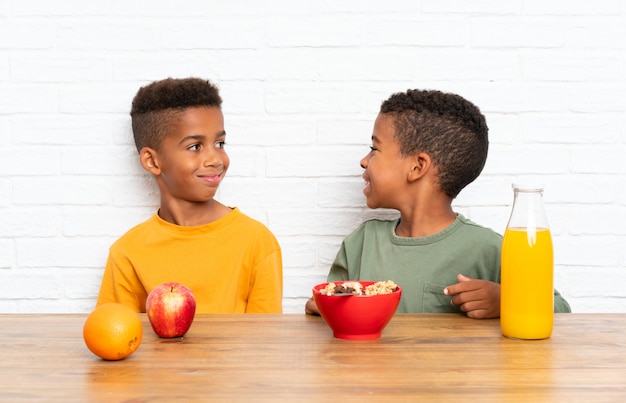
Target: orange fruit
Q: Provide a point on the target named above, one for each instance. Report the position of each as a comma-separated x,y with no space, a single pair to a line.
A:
112,331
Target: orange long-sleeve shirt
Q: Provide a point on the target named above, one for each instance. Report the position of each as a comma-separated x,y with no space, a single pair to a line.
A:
232,265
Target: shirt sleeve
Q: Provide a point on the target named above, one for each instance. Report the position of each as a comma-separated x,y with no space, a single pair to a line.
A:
560,304
266,292
339,269
120,284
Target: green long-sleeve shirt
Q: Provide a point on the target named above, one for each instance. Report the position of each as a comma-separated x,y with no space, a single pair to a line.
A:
422,266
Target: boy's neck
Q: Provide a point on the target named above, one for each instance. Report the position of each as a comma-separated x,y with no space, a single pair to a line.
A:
193,214
425,222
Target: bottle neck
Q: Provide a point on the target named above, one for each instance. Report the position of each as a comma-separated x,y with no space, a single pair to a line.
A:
528,211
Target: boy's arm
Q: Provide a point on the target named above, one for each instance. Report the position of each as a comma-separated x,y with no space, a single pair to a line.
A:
119,284
480,299
338,272
266,295
311,307
560,304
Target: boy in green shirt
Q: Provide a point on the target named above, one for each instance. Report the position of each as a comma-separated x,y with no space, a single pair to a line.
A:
426,147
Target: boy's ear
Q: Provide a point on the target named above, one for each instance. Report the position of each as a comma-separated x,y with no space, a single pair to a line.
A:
149,161
420,165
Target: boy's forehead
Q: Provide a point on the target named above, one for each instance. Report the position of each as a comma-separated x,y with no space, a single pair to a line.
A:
384,128
204,120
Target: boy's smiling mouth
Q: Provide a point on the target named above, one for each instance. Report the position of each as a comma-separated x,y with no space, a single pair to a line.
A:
212,177
367,182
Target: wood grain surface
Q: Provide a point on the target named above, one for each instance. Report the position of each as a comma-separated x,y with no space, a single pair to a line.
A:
295,357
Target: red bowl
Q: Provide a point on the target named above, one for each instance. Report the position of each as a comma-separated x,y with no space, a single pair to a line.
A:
357,317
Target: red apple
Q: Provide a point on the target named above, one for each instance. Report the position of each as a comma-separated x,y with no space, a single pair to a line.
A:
170,308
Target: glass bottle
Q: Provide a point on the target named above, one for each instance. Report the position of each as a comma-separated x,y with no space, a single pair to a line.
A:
527,268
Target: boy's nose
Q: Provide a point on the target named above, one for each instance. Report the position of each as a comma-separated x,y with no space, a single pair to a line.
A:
364,162
211,158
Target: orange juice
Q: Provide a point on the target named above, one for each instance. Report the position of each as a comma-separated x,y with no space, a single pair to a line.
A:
527,290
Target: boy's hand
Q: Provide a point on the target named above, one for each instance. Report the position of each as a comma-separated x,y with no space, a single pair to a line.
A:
479,299
311,307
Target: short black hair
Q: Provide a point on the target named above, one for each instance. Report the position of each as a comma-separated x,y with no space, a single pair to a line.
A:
447,127
157,105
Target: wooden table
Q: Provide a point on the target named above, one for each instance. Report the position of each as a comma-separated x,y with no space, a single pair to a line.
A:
278,357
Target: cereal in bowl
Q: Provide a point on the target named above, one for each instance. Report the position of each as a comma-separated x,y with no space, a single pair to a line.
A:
356,288
381,287
348,287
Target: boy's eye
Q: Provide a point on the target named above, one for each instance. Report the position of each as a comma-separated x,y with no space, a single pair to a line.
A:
372,148
194,147
220,144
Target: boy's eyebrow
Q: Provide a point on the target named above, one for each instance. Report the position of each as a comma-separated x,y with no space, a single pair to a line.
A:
192,137
198,137
375,139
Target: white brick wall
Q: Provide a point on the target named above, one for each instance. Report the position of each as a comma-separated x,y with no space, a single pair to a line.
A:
302,83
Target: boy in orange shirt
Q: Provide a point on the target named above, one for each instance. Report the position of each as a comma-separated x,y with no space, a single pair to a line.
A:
232,263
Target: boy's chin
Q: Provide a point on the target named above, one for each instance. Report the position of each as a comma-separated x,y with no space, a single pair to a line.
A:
371,204
374,205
